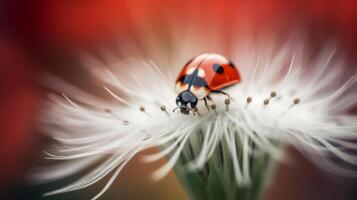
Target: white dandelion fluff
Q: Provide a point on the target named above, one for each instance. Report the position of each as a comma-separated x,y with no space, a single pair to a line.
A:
283,99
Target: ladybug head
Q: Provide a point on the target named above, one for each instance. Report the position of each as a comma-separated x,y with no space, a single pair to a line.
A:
186,101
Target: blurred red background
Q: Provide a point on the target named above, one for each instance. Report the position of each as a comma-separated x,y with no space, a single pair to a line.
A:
43,35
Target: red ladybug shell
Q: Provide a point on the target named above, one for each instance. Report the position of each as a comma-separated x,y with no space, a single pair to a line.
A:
206,73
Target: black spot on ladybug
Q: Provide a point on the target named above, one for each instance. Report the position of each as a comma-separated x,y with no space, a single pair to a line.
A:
193,80
218,68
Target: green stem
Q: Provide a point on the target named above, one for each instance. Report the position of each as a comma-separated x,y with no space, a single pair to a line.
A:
217,180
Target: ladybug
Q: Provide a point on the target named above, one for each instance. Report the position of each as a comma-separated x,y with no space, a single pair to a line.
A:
202,75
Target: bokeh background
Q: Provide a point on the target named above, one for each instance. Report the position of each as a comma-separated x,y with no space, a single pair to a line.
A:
44,36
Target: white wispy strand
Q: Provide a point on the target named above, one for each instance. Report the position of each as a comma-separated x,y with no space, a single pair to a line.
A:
89,129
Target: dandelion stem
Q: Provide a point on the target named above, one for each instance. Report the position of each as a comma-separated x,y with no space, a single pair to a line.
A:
216,180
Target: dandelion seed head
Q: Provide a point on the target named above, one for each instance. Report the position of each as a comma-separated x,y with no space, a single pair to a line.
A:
282,99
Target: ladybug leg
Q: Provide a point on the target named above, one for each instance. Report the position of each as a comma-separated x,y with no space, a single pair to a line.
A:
213,106
224,93
226,101
210,99
195,110
206,104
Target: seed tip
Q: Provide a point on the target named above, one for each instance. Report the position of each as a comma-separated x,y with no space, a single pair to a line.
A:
273,94
142,109
266,101
249,99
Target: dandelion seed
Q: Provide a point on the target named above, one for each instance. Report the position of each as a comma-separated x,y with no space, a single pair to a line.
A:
163,108
213,107
227,102
249,100
266,102
272,94
125,122
142,109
